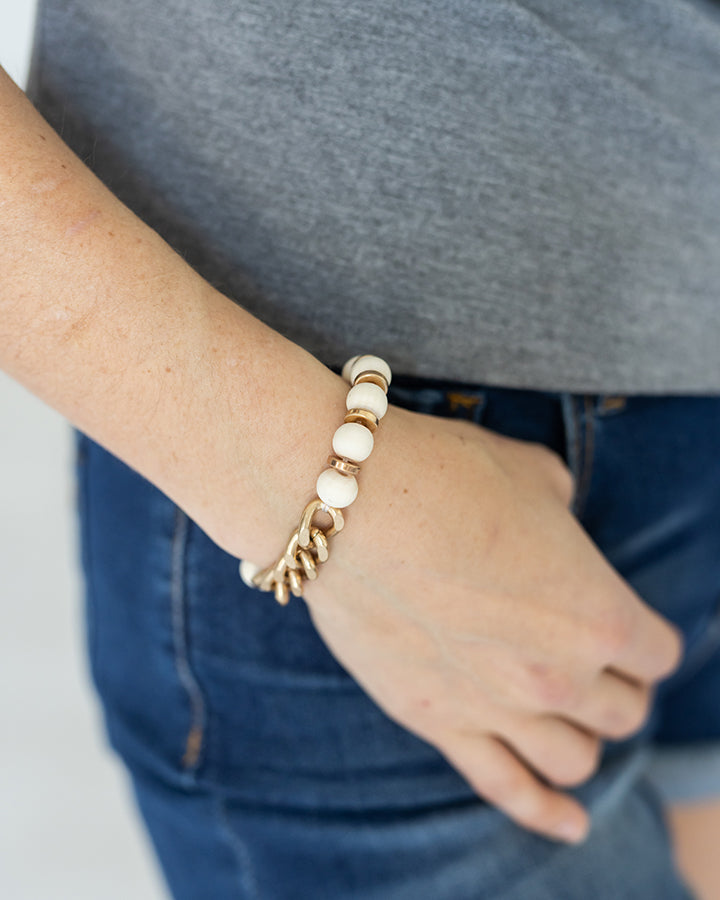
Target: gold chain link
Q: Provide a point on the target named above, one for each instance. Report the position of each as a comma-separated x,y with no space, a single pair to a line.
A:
307,549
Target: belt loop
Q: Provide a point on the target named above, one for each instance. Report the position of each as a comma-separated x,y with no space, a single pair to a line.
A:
609,403
465,406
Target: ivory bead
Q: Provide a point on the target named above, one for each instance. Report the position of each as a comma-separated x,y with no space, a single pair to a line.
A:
336,489
370,364
347,368
367,396
353,441
248,570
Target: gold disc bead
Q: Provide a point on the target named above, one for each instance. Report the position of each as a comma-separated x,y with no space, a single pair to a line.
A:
342,465
363,417
372,378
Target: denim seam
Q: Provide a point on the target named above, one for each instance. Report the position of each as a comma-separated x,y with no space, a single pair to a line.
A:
195,739
588,456
84,533
246,874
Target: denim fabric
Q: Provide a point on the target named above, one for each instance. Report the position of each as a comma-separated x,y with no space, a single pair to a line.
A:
264,772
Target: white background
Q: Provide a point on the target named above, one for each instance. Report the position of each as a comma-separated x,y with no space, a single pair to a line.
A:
68,828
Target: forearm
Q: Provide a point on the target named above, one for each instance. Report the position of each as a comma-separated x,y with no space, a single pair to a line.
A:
107,324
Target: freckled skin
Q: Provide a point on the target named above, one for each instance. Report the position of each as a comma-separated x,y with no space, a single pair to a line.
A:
80,226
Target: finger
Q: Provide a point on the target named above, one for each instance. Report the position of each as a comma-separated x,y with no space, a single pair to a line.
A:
607,704
507,783
557,749
613,707
649,647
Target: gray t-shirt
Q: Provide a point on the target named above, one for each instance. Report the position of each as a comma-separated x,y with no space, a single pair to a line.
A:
524,194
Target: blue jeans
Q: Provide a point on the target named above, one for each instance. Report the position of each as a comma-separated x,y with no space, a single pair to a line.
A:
264,772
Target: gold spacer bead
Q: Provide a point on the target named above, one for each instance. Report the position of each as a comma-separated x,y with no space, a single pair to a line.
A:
373,378
343,465
363,417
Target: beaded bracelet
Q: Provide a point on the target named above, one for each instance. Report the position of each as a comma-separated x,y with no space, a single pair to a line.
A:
366,402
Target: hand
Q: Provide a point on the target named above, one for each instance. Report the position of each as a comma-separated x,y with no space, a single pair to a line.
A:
470,604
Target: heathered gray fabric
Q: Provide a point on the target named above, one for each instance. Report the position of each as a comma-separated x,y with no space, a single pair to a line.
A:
524,194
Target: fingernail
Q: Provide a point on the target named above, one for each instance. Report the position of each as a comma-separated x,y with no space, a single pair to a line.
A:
572,832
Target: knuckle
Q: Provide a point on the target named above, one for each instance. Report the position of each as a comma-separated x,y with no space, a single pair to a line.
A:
514,690
612,634
552,689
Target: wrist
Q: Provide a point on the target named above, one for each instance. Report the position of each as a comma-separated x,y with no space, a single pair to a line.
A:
336,488
265,410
